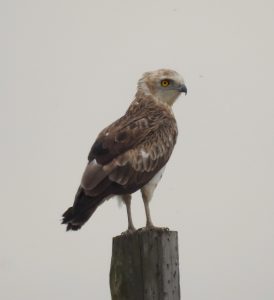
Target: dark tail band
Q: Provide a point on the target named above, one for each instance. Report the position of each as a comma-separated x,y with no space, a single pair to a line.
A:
83,208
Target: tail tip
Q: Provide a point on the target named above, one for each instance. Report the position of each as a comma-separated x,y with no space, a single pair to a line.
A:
73,227
67,220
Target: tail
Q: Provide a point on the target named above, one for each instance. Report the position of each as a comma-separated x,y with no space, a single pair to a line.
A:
83,208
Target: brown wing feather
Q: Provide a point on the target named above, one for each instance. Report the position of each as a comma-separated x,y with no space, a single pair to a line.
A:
132,150
118,138
137,166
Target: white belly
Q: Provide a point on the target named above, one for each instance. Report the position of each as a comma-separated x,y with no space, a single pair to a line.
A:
151,185
157,177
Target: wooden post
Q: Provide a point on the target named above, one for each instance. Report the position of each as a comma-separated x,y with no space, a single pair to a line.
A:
145,266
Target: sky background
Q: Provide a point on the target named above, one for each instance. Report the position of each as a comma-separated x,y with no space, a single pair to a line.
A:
70,68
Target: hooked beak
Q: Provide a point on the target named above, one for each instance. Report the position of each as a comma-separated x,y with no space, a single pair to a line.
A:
183,89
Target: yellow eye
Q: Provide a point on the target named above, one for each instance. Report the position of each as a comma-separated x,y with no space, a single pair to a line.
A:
165,83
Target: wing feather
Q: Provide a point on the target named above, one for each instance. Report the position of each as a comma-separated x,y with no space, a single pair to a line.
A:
129,152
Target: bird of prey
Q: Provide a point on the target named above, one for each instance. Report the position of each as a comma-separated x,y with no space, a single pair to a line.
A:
131,153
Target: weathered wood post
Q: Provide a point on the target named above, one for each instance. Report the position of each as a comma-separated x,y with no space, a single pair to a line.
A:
145,266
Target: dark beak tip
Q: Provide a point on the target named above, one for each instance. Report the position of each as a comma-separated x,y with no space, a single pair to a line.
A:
183,89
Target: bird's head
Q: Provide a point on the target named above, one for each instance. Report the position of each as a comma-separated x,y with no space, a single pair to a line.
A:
165,85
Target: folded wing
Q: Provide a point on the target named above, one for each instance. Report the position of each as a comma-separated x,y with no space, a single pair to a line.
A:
128,153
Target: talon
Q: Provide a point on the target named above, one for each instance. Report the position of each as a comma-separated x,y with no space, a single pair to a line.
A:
129,231
152,227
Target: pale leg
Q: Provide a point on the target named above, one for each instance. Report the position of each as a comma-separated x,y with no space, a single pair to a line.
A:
147,193
127,200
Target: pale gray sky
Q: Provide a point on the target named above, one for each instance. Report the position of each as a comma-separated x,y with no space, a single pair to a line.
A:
69,68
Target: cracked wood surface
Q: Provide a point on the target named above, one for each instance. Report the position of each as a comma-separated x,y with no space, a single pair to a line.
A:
145,266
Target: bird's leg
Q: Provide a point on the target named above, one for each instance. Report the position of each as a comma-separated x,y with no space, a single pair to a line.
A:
127,200
147,193
149,224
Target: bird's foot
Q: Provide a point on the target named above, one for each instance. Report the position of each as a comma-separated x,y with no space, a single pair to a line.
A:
130,230
152,227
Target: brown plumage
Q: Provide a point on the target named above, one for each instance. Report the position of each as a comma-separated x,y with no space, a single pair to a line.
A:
130,154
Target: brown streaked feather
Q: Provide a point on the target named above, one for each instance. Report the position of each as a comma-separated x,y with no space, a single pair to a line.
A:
132,150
